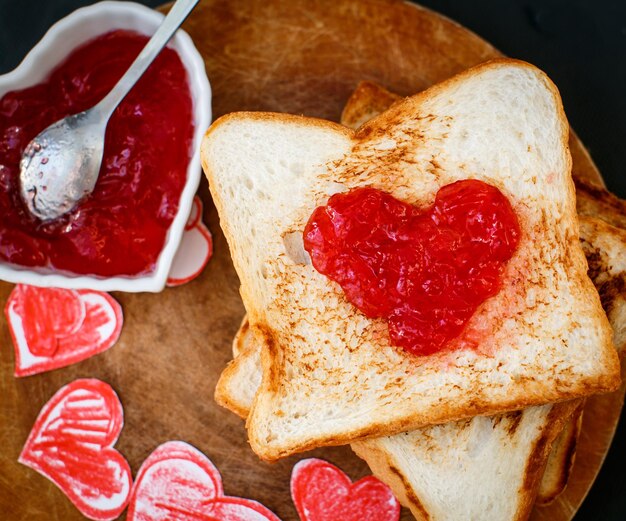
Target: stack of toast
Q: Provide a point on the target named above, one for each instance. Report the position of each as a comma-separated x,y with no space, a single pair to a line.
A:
454,433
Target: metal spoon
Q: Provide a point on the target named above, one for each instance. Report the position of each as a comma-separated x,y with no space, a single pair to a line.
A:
61,165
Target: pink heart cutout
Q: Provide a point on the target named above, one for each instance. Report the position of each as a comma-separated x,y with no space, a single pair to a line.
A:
322,492
53,328
179,483
71,444
195,249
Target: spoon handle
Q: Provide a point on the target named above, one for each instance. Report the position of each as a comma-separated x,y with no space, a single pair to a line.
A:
174,19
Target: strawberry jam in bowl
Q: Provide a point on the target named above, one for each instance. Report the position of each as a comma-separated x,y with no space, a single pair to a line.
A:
425,270
124,235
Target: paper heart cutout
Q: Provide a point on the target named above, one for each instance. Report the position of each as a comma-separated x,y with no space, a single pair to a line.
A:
322,492
195,249
179,483
53,328
195,215
425,270
72,443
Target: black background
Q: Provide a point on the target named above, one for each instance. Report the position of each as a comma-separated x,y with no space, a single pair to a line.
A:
581,44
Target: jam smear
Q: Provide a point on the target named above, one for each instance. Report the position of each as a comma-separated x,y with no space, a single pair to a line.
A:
121,228
425,271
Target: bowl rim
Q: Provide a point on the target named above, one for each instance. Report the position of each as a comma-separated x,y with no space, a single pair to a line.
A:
36,66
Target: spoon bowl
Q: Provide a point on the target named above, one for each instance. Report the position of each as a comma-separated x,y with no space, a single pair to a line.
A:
61,165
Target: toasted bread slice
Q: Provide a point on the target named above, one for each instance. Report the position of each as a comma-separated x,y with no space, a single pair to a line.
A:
605,249
497,461
596,201
500,459
329,373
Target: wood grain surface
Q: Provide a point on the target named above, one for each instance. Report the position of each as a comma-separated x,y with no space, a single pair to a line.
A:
302,57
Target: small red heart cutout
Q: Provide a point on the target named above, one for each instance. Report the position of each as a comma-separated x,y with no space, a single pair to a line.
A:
53,328
322,492
71,444
195,249
179,483
425,270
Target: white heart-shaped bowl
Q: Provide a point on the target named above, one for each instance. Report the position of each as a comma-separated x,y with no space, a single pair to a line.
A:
62,38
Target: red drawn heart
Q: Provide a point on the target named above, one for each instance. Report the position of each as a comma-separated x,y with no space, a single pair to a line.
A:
53,328
46,319
195,249
322,492
71,444
425,270
179,483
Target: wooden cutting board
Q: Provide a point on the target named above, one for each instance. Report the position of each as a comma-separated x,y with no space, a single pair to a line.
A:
302,57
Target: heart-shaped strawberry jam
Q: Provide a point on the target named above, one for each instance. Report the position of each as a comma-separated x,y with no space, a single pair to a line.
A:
424,270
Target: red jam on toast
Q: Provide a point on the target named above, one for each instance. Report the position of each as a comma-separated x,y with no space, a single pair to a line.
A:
425,271
121,228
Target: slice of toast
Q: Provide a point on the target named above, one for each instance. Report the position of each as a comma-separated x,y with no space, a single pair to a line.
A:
329,373
497,461
483,468
605,248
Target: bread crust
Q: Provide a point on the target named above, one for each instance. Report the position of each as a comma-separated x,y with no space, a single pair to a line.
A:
597,202
561,459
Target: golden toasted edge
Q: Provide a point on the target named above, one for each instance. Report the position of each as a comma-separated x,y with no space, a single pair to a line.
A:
277,117
561,459
538,460
612,288
367,101
240,342
597,202
223,395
